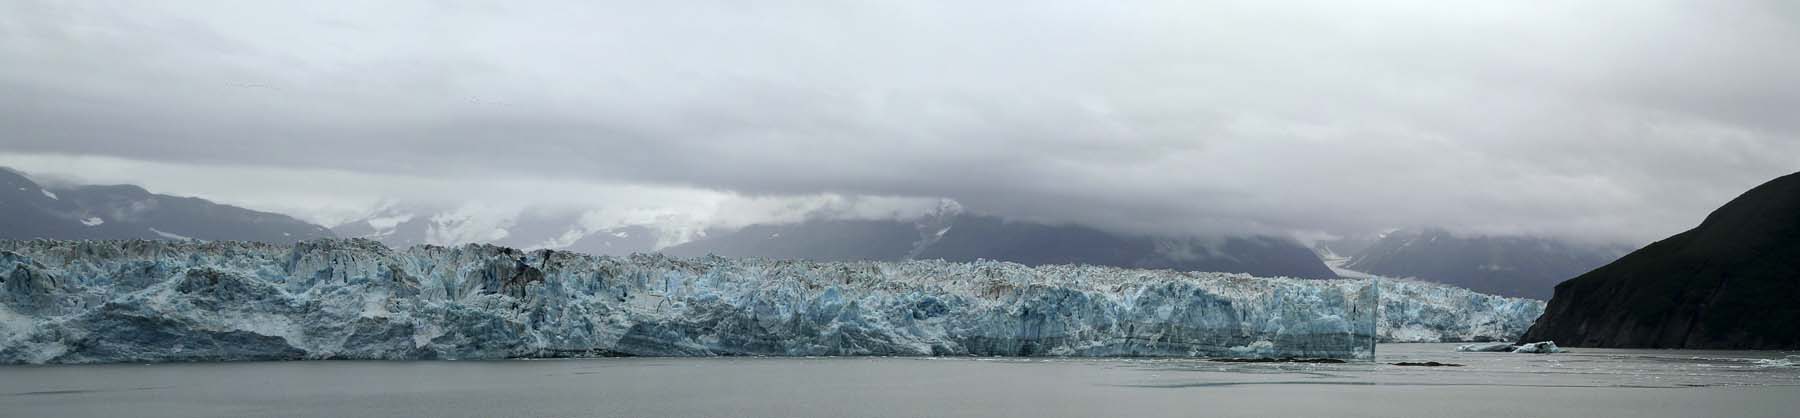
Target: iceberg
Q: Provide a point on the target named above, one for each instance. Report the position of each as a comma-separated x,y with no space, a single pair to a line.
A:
1486,348
1542,347
152,301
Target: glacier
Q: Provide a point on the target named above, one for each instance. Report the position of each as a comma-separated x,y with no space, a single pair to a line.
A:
1414,311
156,301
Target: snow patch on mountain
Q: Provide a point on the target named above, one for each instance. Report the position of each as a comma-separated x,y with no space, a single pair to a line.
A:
170,235
562,241
387,223
470,223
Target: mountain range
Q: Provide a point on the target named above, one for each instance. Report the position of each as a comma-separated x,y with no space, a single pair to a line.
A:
1518,266
1511,266
948,234
968,237
403,226
29,210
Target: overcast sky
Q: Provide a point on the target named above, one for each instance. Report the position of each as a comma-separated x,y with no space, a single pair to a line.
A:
1601,120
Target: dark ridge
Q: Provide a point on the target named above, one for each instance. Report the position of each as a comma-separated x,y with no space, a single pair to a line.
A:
1729,283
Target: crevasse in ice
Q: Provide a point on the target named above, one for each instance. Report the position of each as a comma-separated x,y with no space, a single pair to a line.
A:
111,301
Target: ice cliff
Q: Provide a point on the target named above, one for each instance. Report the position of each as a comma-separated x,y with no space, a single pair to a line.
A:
112,301
1423,312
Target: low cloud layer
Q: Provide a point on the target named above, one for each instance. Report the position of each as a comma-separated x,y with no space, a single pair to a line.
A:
1610,121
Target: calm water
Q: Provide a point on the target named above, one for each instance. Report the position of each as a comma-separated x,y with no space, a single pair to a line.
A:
1589,382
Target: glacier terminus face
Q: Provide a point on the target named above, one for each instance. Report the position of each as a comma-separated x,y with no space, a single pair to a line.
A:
144,301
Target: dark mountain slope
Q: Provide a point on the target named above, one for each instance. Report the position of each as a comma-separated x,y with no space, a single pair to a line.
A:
1731,283
27,211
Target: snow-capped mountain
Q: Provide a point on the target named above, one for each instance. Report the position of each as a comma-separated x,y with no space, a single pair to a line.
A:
403,226
1502,265
946,232
29,210
969,237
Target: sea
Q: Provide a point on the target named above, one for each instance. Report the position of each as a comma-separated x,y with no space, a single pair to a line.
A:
1584,382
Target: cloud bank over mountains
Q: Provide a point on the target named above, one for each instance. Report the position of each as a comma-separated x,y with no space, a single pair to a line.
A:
1594,120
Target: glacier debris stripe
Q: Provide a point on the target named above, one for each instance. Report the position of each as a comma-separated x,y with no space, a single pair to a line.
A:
115,301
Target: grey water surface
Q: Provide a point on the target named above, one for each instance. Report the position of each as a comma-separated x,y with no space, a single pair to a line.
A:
1586,382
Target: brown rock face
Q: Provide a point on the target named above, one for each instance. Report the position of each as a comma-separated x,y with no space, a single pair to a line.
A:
1731,283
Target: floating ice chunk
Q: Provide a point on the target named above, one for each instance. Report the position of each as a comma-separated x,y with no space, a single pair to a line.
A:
1260,348
1542,347
92,221
1780,362
1486,347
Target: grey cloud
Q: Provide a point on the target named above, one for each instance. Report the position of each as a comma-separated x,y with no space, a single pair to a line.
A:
1598,120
